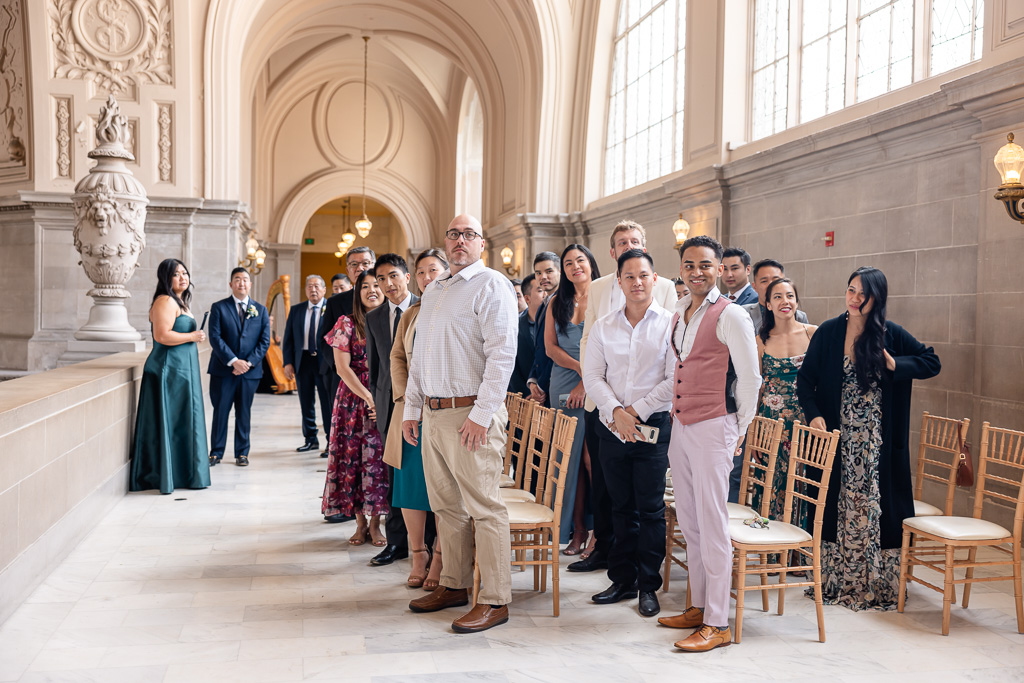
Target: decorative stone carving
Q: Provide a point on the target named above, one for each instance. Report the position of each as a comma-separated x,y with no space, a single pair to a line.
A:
63,114
165,142
13,99
116,43
110,216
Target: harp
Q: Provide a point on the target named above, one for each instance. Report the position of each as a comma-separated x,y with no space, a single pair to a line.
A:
275,359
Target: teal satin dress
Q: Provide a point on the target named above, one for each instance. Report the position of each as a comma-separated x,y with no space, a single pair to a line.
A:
170,450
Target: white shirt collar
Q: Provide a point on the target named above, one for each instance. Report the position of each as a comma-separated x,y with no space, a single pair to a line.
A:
467,273
710,299
651,310
404,305
742,289
318,305
244,302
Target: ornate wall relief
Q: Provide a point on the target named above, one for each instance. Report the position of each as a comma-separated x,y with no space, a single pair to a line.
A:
118,44
165,142
13,96
62,112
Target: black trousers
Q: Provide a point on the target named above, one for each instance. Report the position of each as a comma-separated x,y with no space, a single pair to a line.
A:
635,475
600,501
333,382
312,385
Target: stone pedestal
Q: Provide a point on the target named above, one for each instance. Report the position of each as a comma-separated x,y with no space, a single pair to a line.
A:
79,351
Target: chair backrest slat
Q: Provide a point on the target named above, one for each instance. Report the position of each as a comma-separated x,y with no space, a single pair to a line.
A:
538,449
558,462
1001,466
520,411
760,456
939,452
810,463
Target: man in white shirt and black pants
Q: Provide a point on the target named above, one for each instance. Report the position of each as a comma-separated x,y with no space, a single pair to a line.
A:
716,379
627,373
462,360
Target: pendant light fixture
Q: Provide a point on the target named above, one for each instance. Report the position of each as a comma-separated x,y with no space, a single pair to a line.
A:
363,225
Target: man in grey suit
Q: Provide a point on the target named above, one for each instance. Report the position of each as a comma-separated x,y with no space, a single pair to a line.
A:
392,275
766,271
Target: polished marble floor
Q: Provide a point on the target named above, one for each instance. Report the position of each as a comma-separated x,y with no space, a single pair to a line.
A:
244,582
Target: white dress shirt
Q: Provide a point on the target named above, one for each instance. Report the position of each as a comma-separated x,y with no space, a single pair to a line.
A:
309,320
735,330
466,336
630,366
245,311
391,313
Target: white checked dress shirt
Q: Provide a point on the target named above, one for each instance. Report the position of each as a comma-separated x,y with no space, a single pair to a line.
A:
735,330
630,366
466,336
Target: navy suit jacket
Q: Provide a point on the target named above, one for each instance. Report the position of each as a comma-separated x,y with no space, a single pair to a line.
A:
294,334
524,357
541,362
336,306
233,338
749,296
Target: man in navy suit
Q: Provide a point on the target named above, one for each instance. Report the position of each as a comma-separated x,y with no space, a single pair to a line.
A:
547,272
239,338
299,351
528,324
736,277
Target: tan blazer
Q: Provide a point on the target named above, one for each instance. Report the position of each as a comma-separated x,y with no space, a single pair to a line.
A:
401,355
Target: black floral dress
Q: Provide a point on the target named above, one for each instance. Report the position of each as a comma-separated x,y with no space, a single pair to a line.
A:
856,572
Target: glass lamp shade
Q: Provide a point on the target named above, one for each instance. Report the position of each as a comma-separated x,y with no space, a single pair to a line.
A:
348,238
681,229
363,226
251,245
1009,162
506,256
338,254
261,256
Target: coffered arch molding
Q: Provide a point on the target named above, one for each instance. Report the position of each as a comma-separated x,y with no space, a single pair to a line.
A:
390,189
232,35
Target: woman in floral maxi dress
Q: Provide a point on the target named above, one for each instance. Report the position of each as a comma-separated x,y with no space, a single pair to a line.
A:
357,479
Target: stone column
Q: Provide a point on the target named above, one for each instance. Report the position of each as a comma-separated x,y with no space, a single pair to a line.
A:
110,215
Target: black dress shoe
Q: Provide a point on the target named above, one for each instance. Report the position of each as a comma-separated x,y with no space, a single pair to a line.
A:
615,593
649,605
593,563
242,460
323,454
214,460
335,519
389,555
308,446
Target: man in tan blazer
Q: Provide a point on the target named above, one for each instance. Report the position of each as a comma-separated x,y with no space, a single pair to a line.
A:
606,296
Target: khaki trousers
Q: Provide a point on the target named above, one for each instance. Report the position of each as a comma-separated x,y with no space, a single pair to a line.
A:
464,486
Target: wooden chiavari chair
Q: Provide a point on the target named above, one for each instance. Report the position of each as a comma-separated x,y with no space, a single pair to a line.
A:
938,457
519,412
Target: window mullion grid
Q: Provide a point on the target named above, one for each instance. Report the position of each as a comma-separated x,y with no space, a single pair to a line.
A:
852,40
796,14
676,95
922,42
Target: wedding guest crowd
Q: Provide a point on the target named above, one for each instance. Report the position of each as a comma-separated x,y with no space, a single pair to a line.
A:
664,375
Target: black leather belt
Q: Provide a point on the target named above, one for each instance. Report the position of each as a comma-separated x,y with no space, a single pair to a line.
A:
309,353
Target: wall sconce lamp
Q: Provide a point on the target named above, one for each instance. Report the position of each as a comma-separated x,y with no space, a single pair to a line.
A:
506,261
255,257
681,229
1009,162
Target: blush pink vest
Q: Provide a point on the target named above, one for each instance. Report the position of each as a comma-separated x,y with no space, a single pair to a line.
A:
703,382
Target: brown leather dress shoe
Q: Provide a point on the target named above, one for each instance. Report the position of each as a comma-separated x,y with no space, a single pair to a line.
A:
480,618
705,638
440,599
691,618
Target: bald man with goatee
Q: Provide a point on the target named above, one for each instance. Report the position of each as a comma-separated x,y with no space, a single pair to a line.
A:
464,354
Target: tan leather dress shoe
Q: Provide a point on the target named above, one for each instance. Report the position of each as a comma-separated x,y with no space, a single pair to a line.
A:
440,599
705,638
480,618
691,618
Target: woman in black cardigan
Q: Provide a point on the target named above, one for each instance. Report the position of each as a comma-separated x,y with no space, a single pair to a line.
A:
857,378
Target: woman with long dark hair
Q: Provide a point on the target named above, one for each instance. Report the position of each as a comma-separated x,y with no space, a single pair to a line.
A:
781,345
563,330
857,377
357,480
170,449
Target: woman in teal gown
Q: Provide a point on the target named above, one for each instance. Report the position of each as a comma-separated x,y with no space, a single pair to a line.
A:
170,449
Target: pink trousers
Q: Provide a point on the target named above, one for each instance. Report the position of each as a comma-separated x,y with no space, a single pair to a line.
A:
701,458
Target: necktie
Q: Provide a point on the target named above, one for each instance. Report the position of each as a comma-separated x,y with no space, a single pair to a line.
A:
241,312
732,297
394,329
313,323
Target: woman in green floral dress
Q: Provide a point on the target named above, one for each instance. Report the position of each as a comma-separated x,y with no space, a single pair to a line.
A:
782,342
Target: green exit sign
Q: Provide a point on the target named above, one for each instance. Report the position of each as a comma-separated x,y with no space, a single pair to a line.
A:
308,240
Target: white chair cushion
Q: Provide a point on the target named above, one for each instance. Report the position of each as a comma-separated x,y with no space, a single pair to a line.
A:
737,511
958,528
510,495
506,482
777,533
672,505
669,498
529,513
923,509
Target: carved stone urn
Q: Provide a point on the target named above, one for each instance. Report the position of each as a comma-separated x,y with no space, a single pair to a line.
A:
110,216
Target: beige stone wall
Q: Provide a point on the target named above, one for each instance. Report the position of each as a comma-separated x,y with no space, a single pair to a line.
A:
65,437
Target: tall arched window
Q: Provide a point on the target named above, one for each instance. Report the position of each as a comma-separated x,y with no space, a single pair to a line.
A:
645,109
813,57
469,155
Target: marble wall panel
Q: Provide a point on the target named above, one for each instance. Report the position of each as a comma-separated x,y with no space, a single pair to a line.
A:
921,226
858,234
9,500
926,316
20,454
947,271
43,501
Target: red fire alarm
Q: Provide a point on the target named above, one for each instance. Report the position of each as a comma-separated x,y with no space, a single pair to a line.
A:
830,238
